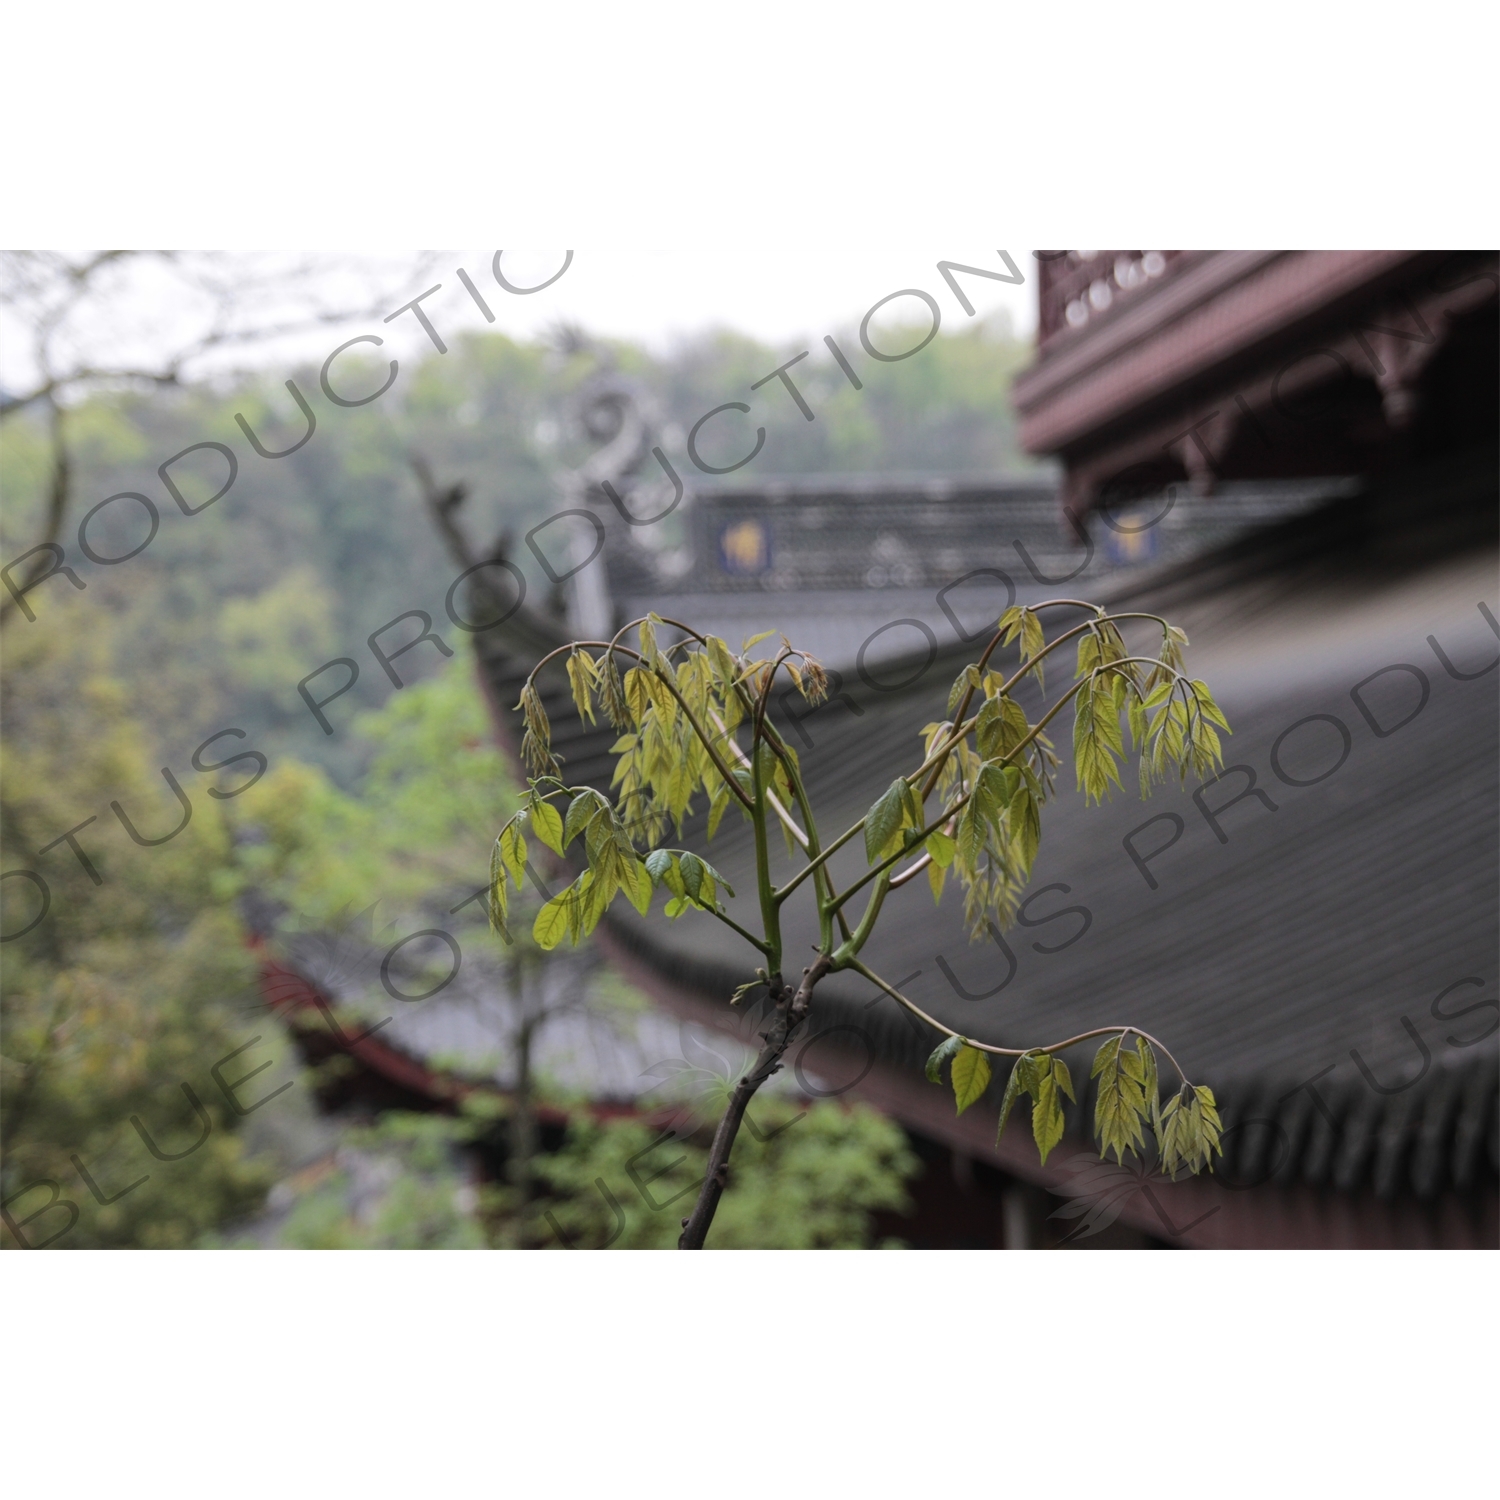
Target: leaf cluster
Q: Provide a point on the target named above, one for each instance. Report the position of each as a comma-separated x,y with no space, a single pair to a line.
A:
680,719
612,863
993,773
1171,717
1187,1129
969,1075
1044,1078
971,808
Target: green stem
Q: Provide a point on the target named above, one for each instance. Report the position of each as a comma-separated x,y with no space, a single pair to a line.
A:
861,936
748,936
770,912
813,866
1072,1041
822,883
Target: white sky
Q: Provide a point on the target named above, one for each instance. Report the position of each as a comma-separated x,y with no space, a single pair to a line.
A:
655,296
773,293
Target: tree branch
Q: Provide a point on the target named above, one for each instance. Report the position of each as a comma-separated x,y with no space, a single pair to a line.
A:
1083,1036
791,1011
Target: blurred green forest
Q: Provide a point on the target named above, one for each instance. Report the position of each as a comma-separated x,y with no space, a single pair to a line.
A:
122,999
220,618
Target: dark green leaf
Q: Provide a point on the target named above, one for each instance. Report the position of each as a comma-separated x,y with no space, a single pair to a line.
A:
580,810
1022,1080
945,1049
988,726
882,821
692,875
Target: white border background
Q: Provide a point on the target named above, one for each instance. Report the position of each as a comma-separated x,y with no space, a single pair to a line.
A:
729,130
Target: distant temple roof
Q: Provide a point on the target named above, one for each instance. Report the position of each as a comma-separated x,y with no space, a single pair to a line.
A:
836,558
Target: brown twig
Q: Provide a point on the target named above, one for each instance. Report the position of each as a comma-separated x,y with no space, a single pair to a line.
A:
791,1010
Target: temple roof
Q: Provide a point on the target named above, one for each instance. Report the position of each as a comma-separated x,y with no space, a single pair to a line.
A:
1315,943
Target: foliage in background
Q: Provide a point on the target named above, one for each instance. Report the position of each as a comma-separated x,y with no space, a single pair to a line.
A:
397,1184
125,990
814,1179
226,611
129,989
803,1181
412,832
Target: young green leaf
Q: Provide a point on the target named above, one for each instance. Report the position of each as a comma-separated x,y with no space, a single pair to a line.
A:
596,889
1046,1109
970,838
941,848
714,877
987,728
721,660
613,693
511,848
551,923
637,694
1209,708
1033,642
636,884
745,989
1137,715
581,678
1088,654
994,790
717,807
1190,1130
499,897
971,1076
649,652
1121,1109
547,824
